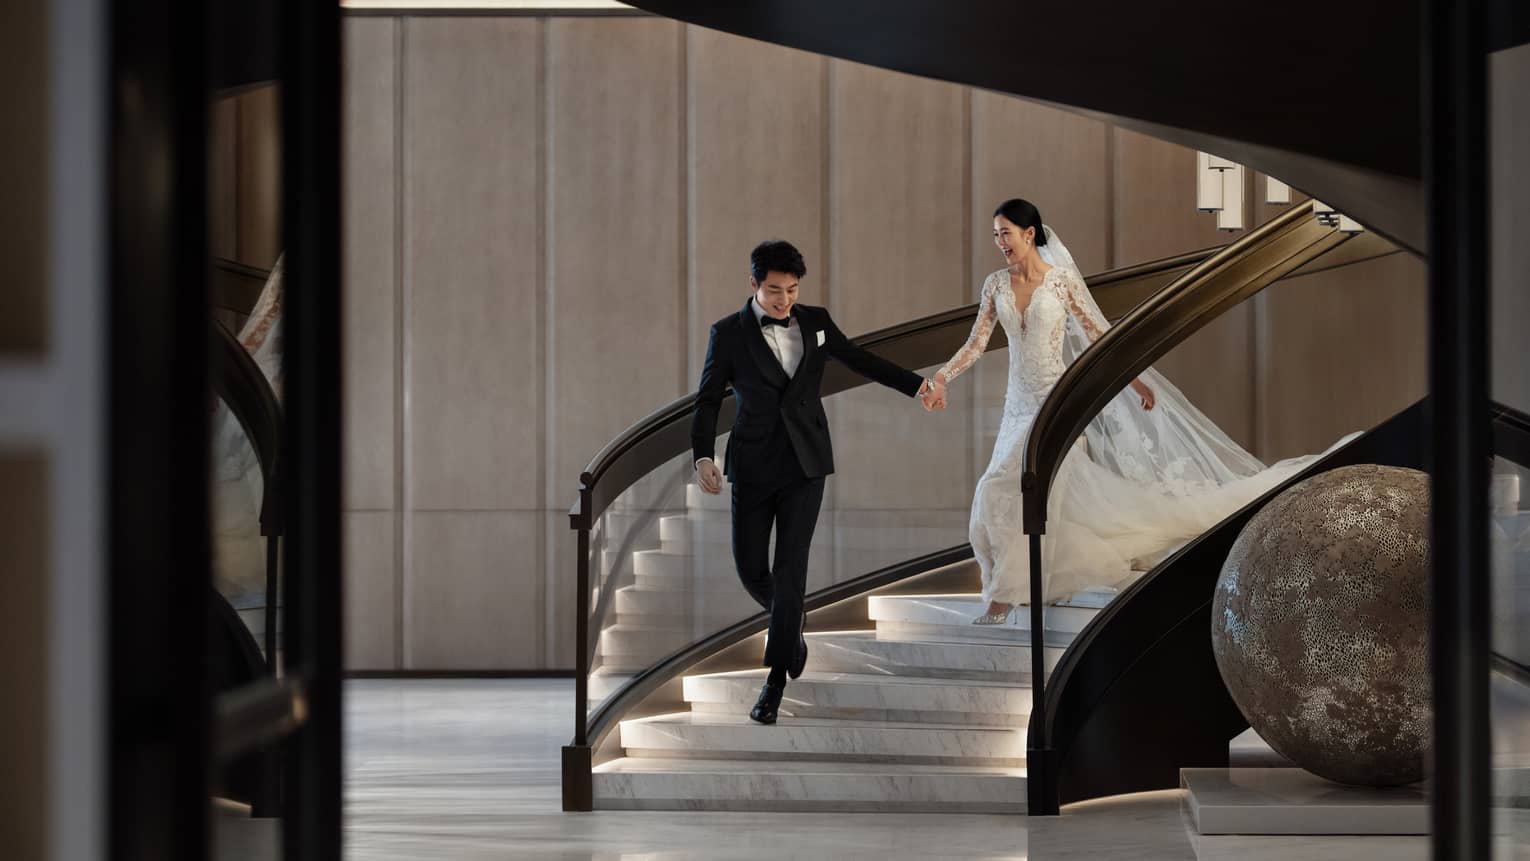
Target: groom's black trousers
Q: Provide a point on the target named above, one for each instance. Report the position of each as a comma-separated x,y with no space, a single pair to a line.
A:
791,507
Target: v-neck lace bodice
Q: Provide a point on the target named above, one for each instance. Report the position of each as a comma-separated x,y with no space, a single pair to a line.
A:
1035,335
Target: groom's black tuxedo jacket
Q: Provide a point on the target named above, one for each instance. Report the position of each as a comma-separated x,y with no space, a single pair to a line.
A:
779,417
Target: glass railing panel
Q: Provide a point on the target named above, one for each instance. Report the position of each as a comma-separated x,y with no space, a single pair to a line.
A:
627,540
661,557
1508,175
239,550
1509,531
243,822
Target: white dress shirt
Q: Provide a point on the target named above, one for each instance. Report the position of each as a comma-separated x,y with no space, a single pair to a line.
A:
785,342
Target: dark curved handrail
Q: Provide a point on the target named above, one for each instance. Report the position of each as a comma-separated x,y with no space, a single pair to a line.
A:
243,386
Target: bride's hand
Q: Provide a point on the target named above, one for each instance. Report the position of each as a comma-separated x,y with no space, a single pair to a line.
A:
933,397
1148,399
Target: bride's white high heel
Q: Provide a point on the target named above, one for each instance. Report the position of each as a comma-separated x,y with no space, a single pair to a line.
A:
995,618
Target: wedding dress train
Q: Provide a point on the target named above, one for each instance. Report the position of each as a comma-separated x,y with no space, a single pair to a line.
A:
1137,484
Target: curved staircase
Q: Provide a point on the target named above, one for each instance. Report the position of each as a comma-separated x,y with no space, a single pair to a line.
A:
905,705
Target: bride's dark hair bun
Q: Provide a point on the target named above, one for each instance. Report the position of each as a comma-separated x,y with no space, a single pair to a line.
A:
1023,214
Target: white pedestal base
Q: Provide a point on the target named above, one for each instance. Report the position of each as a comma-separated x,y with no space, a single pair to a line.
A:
1293,801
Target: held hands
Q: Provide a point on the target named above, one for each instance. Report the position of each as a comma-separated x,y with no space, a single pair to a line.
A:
1148,399
932,395
708,477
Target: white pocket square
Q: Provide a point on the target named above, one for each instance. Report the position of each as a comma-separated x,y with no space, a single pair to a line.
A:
820,339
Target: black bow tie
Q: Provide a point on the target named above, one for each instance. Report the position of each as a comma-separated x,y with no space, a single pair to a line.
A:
768,320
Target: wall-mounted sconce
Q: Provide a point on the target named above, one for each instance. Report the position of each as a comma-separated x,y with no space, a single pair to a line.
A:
1230,216
1275,191
1208,184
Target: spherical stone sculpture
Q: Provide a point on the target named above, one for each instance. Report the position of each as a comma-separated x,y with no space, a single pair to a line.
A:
1320,624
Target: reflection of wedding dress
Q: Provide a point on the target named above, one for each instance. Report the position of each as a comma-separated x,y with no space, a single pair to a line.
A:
1137,483
239,553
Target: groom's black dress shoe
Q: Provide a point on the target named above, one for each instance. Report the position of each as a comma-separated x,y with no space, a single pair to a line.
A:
765,710
799,662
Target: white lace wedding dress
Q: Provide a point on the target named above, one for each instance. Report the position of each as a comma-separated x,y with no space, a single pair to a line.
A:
1137,484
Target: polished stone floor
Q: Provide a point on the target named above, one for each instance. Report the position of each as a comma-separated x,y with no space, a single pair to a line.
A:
469,770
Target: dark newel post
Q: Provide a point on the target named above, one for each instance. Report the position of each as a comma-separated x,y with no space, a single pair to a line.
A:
578,788
1455,159
1041,776
1040,767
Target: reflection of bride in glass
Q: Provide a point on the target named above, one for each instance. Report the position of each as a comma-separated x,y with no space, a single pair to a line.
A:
1150,472
239,553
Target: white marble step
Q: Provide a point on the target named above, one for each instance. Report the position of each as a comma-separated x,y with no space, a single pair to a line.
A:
636,601
717,580
632,641
911,616
683,565
1292,801
692,626
684,529
953,658
860,696
648,783
678,533
619,524
735,736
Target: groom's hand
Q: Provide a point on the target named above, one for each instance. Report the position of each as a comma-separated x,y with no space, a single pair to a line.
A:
709,477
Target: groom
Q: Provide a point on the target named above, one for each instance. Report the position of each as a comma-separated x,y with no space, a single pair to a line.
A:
772,352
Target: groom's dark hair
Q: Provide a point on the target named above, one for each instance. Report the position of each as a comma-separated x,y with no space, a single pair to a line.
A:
776,255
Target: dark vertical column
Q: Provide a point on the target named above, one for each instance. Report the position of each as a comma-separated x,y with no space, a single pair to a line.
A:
1455,165
158,700
310,78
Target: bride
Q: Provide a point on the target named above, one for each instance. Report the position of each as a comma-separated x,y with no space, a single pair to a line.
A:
1150,472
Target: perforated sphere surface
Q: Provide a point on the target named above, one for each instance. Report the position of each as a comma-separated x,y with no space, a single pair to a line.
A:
1320,624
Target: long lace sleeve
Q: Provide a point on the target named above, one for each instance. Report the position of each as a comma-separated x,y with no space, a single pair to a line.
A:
977,342
1081,305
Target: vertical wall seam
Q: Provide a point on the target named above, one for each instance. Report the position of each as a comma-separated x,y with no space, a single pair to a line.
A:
401,377
686,221
238,175
969,267
1110,195
826,178
830,265
547,279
